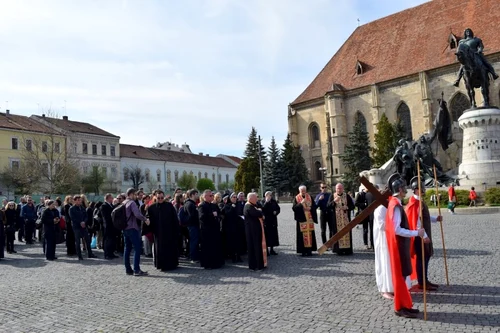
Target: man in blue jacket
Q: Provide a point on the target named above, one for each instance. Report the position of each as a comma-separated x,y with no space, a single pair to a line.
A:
78,216
29,216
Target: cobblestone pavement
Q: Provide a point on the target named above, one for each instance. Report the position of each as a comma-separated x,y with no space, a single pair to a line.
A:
318,294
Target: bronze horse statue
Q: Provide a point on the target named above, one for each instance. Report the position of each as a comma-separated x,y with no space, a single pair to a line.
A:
475,74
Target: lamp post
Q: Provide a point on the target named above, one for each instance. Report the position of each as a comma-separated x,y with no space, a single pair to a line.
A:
323,172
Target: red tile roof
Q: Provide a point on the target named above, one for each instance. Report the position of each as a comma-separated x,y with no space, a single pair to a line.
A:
23,123
234,158
140,152
406,43
75,126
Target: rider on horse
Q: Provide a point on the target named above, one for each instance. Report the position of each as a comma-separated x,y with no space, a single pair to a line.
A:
476,45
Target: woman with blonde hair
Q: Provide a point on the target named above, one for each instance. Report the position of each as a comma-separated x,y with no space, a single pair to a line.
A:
10,225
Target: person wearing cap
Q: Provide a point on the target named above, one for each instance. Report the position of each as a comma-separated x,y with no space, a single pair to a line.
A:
399,238
50,221
413,212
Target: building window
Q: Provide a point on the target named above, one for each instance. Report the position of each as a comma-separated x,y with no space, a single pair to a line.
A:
126,175
14,165
113,173
74,146
199,174
169,176
206,175
176,176
452,40
85,148
336,171
14,143
219,178
404,116
105,171
191,173
359,118
112,151
318,174
94,149
359,68
458,105
314,136
213,177
85,170
57,147
147,174
184,173
45,147
227,178
29,145
158,175
103,150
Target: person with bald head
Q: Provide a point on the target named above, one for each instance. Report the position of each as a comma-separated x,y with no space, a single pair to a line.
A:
341,204
254,229
304,209
212,255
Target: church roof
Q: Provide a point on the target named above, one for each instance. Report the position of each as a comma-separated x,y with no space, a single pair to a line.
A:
406,43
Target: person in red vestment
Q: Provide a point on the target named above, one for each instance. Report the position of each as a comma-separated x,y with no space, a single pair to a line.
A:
399,238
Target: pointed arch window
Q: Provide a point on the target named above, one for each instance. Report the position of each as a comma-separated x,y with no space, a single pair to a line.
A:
314,137
126,175
359,68
176,176
169,176
459,103
452,41
360,118
317,172
147,174
404,116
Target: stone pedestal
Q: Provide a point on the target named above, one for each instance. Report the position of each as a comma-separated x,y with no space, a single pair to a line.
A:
481,147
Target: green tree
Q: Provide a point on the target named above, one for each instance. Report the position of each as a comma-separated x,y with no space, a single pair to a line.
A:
292,168
205,184
186,181
384,142
93,182
356,156
247,176
272,167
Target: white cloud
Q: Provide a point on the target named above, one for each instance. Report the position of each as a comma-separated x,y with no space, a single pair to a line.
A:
201,72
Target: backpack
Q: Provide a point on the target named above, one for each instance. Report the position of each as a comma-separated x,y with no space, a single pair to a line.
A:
183,217
119,216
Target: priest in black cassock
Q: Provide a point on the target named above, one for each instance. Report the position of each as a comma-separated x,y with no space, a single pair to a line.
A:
254,227
165,226
271,210
304,209
212,254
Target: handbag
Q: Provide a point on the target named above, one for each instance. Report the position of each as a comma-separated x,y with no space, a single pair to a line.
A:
60,238
38,223
62,223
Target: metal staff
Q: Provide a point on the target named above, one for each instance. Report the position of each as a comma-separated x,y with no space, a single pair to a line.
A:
441,224
422,239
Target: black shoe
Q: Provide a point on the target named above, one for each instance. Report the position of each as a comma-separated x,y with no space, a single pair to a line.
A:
432,284
495,76
92,256
149,256
303,254
55,258
80,258
141,273
108,258
129,272
273,253
238,259
13,251
405,314
411,310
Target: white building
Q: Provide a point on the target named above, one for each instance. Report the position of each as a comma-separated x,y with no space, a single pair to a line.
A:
162,168
91,146
184,148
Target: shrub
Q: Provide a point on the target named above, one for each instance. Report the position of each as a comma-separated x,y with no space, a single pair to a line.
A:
492,196
205,184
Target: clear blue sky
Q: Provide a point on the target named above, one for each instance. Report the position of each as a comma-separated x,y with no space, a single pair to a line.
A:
197,71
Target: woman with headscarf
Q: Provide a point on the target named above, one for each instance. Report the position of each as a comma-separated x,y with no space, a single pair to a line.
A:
10,225
50,222
232,230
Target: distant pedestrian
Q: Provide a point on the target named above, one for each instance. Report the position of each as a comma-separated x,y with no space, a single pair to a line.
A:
472,197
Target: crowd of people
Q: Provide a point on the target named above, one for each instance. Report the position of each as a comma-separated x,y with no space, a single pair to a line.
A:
206,228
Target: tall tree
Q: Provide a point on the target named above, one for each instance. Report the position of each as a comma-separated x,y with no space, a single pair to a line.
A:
136,176
272,168
384,142
292,166
94,181
186,182
248,174
356,156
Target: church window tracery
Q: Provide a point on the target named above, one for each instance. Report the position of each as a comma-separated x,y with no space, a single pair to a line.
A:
404,116
458,105
314,135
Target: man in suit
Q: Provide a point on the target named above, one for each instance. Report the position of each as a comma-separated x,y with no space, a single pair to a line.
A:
109,229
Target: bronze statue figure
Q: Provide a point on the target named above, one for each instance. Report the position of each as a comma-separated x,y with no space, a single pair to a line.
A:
474,67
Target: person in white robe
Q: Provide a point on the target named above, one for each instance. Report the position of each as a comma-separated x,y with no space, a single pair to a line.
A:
382,259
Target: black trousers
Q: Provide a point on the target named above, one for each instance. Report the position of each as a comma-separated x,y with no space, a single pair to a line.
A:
418,251
20,233
368,229
79,234
50,246
109,242
323,222
10,236
29,227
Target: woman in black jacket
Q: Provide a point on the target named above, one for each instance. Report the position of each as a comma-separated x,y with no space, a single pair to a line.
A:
50,221
10,225
70,236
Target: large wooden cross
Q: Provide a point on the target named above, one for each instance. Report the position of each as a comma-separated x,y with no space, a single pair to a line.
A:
380,199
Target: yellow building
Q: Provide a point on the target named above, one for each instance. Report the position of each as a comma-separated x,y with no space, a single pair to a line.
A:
23,138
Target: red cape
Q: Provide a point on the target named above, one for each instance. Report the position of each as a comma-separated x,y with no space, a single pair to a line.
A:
412,210
402,297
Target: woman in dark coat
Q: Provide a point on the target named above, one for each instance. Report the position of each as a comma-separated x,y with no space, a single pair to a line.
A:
10,225
50,222
2,233
231,226
70,236
271,210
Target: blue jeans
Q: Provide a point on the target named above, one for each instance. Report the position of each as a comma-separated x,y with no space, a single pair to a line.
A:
132,237
194,241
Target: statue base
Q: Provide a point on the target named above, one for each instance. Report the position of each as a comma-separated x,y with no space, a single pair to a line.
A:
481,147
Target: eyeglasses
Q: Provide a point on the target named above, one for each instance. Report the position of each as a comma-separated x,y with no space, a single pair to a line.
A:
323,187
161,198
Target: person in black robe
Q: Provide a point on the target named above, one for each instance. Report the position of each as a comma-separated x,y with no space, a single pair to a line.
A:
231,226
165,227
50,222
70,235
240,205
271,210
212,255
10,226
303,203
2,233
257,259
